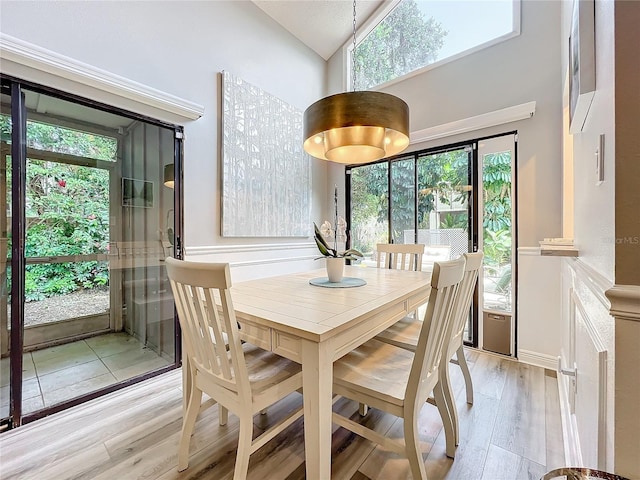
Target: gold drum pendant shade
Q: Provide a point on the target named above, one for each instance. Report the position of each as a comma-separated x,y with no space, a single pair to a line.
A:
356,127
169,174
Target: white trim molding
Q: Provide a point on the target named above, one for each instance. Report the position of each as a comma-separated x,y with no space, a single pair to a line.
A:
625,301
485,120
249,262
538,359
597,283
530,251
41,59
262,261
227,249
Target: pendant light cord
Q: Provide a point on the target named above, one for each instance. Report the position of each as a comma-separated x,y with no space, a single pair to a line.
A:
353,53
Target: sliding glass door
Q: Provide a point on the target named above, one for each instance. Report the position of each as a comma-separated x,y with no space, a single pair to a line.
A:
85,226
422,198
419,198
454,199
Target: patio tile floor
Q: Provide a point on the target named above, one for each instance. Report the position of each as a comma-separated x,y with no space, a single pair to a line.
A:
62,372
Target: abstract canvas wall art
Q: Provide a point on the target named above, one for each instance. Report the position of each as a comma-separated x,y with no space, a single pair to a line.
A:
266,184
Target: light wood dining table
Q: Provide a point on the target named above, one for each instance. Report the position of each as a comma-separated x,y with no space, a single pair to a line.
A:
314,326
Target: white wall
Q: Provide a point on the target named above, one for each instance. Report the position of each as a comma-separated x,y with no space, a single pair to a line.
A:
180,48
594,205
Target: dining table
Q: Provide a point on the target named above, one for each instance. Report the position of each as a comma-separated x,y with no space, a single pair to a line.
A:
304,318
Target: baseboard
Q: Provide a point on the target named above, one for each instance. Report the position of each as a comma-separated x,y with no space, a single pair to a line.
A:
572,454
538,359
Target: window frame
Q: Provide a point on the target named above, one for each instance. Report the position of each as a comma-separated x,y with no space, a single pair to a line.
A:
379,15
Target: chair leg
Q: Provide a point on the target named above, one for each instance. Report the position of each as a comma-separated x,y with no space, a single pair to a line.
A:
446,414
363,409
223,415
188,422
462,361
450,398
244,448
412,446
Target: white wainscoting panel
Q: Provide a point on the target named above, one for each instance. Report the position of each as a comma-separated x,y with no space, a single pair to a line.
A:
539,313
249,262
587,400
591,389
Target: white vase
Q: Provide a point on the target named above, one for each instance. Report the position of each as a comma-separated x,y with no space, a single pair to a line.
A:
335,269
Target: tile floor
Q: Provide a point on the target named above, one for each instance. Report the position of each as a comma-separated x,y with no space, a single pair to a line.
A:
59,373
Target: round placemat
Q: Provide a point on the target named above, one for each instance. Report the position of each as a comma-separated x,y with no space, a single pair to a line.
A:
346,282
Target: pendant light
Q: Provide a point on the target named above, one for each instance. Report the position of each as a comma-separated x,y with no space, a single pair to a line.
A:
356,127
169,175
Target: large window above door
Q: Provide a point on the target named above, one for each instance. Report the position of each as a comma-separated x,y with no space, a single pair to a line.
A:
411,36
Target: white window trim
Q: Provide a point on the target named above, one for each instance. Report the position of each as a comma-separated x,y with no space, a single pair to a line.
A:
490,119
381,14
18,52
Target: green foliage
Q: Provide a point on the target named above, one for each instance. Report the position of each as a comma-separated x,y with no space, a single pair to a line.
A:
5,128
497,247
496,178
67,214
67,210
64,140
403,42
441,177
369,200
46,280
402,198
455,220
52,138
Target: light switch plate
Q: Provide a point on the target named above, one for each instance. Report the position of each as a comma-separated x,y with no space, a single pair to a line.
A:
600,160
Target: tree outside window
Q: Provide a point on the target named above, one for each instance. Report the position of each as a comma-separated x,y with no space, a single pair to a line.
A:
404,41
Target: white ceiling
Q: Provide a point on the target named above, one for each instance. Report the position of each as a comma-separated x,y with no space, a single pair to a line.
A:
322,25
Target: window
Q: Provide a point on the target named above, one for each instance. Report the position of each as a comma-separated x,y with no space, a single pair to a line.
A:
416,34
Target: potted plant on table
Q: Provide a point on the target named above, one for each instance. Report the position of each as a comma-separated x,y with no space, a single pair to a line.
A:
334,258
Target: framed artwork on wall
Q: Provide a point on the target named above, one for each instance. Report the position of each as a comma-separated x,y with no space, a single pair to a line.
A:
137,193
582,63
266,174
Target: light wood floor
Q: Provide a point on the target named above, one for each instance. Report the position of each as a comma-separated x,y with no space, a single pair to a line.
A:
511,432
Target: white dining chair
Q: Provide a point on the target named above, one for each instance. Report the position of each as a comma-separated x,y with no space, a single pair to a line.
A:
396,380
405,333
400,256
238,376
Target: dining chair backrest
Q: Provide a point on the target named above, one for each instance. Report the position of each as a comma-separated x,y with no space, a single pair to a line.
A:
445,282
400,256
465,295
208,323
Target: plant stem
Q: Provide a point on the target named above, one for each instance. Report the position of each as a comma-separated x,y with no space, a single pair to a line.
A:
335,221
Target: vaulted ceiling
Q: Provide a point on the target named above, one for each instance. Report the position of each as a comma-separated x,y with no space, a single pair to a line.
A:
322,25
